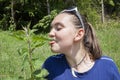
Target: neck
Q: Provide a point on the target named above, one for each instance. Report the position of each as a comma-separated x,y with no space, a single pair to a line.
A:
78,57
76,60
77,64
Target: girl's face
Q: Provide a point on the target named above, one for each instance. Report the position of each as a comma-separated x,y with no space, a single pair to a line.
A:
62,33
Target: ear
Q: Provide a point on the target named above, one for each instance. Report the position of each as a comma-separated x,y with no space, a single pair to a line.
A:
79,35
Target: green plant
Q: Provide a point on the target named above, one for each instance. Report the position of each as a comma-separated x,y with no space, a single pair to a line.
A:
32,41
45,21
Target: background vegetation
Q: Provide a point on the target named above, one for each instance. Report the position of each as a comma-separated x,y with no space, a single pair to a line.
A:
23,50
17,13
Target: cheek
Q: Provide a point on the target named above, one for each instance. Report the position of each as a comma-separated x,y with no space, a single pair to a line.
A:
66,37
65,44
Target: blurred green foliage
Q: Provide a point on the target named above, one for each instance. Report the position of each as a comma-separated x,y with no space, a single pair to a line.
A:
17,13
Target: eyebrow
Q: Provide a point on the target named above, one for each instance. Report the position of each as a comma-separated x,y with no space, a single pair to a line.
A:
57,23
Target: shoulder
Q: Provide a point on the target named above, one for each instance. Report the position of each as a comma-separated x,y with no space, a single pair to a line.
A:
109,65
107,62
106,58
53,60
54,65
106,67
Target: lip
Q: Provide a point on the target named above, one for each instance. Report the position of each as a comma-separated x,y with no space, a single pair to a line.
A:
52,42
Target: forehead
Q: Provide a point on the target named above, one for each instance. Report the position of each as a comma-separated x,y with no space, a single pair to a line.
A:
62,18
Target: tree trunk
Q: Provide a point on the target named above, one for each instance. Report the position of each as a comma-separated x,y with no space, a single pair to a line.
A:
13,15
74,2
102,16
48,6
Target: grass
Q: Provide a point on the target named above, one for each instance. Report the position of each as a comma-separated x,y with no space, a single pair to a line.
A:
11,61
109,38
110,44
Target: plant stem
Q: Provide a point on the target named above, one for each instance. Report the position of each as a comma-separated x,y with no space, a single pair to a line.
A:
30,59
29,54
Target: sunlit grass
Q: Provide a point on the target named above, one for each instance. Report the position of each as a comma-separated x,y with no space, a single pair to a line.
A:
109,38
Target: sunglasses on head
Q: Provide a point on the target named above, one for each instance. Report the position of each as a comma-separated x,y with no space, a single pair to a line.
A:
75,11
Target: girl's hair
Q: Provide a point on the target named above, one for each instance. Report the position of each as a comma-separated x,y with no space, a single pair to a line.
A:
90,41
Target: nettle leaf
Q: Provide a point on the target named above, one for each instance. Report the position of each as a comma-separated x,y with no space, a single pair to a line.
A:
19,35
39,38
34,59
36,72
25,58
32,31
44,38
37,62
41,74
22,51
38,44
37,41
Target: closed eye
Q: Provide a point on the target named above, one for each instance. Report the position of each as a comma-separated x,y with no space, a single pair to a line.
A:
58,26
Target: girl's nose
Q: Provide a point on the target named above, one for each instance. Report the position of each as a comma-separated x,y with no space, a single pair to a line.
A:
51,33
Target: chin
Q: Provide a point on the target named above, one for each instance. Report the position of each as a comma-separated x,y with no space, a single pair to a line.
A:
55,51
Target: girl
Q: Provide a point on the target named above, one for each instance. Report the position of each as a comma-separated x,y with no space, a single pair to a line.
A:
79,55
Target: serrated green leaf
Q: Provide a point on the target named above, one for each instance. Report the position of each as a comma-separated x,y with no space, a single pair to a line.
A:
39,38
41,73
39,45
22,51
19,34
34,59
25,58
33,30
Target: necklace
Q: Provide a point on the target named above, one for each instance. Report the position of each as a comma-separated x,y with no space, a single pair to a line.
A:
80,61
73,72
